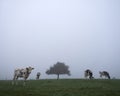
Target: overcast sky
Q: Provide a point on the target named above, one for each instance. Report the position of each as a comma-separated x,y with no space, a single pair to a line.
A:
84,34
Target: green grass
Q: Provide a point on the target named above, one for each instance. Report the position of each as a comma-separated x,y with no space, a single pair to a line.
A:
63,87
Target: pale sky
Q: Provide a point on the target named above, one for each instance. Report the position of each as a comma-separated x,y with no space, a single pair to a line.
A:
84,34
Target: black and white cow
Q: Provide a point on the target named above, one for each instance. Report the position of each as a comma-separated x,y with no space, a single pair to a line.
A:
105,74
88,73
22,73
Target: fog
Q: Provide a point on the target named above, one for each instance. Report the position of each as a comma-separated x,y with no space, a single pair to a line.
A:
84,34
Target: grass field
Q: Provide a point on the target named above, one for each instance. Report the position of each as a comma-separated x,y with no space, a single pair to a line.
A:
63,87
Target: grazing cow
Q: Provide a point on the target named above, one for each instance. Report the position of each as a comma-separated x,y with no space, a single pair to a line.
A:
88,73
22,73
104,73
38,75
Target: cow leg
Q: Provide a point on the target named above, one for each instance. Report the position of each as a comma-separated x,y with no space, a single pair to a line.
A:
25,78
14,79
89,77
38,77
24,82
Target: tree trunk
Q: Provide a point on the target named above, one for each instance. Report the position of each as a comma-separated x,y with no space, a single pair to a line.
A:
57,76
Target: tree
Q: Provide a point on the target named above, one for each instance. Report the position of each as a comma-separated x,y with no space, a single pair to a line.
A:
58,69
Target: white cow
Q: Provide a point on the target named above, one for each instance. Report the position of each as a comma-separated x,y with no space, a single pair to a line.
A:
22,73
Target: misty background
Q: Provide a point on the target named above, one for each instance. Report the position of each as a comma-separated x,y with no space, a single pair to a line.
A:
84,34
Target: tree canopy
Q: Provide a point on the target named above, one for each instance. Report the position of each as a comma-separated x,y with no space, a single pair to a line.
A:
58,69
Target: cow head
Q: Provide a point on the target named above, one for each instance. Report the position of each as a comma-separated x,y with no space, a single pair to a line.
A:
29,69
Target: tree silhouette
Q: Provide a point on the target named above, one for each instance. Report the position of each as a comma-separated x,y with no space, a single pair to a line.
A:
58,69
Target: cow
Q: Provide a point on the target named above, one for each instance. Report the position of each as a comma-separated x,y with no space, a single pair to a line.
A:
38,75
105,74
22,73
88,73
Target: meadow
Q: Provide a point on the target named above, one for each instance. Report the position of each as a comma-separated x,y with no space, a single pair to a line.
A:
62,87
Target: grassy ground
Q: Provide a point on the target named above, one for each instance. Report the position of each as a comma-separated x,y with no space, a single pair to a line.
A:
63,87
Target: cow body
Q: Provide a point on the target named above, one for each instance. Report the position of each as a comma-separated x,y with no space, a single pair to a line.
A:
22,73
105,74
